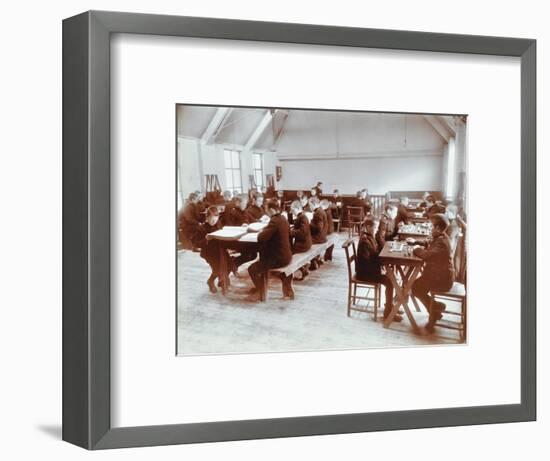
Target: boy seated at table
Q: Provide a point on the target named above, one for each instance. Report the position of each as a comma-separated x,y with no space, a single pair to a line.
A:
256,209
318,228
238,216
300,233
329,227
402,212
368,267
386,229
432,207
275,251
438,273
210,250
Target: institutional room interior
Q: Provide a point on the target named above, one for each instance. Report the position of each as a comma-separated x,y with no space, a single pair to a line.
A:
378,158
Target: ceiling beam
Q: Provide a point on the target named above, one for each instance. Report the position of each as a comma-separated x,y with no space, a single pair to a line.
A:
258,131
217,121
438,126
448,122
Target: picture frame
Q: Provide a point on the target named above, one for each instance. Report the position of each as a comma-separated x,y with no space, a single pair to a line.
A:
86,229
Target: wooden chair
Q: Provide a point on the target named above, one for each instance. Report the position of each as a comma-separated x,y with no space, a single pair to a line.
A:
356,215
458,294
354,283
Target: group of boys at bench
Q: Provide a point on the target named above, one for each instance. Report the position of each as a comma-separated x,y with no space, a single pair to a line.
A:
285,235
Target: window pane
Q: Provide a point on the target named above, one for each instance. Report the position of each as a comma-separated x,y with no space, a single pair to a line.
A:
237,178
258,178
228,179
227,158
235,155
257,161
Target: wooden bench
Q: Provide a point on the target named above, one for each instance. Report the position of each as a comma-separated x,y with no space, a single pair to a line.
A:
301,259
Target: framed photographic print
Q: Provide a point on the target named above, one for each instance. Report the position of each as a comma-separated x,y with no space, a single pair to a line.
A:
275,230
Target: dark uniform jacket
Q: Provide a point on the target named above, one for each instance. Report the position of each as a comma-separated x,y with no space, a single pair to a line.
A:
227,212
189,221
330,223
318,226
236,217
301,234
434,209
255,212
367,264
439,267
209,248
386,231
275,242
402,215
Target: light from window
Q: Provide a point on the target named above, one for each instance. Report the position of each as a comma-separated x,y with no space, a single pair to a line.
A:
258,159
232,162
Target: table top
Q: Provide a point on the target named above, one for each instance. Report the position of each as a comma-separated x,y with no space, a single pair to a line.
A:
394,253
238,233
415,230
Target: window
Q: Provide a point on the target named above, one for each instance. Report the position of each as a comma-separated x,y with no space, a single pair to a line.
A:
233,179
258,160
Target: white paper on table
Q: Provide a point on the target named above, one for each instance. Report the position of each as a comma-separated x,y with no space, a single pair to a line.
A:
256,226
250,237
228,233
309,215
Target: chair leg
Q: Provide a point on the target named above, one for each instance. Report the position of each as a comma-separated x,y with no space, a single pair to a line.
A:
464,321
349,299
376,300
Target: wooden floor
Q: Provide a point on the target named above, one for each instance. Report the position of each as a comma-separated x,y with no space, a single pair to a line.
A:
316,320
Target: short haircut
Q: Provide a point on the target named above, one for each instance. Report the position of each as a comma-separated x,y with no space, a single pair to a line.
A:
440,221
273,204
430,198
336,191
241,198
314,201
296,204
193,196
212,211
404,199
389,206
359,193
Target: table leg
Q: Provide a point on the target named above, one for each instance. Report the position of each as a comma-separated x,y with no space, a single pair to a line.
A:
224,271
402,295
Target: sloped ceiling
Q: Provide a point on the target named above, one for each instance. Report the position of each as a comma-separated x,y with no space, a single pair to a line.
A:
321,134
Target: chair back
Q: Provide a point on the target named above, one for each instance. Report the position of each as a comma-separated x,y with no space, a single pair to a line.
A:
355,214
351,255
459,260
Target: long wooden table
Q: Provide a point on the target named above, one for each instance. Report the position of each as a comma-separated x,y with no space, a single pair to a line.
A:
234,238
396,260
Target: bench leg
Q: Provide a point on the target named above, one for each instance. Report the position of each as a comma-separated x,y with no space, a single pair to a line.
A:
263,290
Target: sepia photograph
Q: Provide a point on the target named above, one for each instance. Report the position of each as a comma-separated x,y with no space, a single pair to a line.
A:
313,229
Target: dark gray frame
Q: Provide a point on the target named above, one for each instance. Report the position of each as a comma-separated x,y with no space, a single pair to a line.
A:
86,229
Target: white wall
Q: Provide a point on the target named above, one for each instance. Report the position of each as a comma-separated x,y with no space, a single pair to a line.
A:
378,175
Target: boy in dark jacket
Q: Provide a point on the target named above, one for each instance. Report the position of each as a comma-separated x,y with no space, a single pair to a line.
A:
438,274
368,268
256,210
318,228
329,228
300,233
275,250
386,229
210,250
